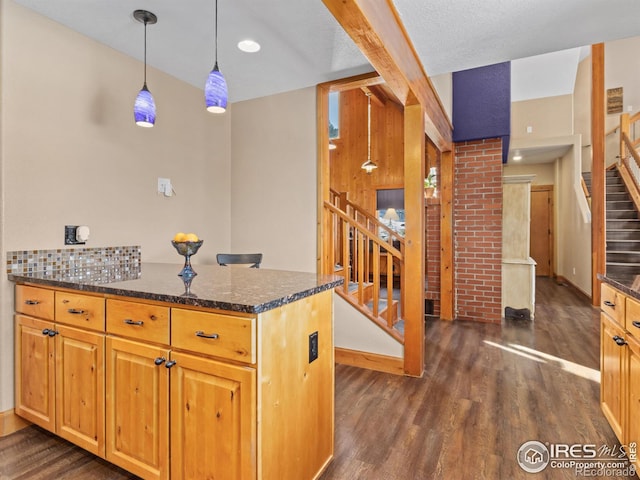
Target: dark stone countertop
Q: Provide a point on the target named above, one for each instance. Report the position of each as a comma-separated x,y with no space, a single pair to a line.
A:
629,285
247,290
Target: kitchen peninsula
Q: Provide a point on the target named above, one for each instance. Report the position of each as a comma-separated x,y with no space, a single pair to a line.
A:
620,359
229,375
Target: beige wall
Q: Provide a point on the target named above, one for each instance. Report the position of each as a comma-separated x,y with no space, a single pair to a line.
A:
71,154
273,188
582,110
443,85
621,70
544,172
573,230
548,117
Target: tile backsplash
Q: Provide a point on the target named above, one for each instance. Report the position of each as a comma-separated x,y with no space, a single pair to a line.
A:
91,264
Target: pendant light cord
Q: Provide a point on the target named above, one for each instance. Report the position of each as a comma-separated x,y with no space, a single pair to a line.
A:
216,36
369,126
145,52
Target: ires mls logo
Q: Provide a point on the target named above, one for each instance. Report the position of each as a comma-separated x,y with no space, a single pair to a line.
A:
585,459
533,456
563,450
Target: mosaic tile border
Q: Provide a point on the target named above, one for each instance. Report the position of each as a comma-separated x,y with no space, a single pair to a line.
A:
96,264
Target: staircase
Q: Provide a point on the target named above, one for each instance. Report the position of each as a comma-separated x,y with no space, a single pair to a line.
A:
370,257
623,228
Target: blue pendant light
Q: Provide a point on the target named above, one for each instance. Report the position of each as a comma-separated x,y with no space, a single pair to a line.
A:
215,90
144,108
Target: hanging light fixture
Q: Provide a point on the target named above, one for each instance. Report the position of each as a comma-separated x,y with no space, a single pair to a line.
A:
369,166
144,108
215,90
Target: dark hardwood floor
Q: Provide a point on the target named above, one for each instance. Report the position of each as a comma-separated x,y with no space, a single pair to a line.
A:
486,390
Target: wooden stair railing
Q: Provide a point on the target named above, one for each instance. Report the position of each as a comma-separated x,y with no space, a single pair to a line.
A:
371,222
362,216
630,167
357,251
585,190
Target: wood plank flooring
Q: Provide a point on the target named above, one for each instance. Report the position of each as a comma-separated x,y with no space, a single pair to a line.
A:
486,390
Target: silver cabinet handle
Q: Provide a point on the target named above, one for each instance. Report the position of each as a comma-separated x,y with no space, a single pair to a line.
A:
138,323
32,302
75,311
213,336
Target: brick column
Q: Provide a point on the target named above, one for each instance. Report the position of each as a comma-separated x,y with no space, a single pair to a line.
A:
478,230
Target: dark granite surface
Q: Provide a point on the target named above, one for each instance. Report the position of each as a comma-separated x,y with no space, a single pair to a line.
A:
629,285
248,290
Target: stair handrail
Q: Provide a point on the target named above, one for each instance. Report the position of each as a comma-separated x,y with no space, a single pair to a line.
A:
354,244
631,168
373,222
584,188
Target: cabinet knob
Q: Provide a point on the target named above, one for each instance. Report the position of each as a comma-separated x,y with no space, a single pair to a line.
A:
619,340
159,360
138,323
609,304
170,363
48,331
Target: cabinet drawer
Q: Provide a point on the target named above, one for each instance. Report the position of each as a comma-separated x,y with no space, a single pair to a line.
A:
214,334
612,302
80,310
632,317
34,301
138,320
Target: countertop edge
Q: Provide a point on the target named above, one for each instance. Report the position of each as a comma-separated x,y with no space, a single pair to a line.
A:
620,285
179,299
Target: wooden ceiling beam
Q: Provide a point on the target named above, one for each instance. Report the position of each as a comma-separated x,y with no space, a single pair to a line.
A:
377,94
375,27
358,81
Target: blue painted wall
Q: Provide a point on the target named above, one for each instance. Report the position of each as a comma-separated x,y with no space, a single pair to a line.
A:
482,104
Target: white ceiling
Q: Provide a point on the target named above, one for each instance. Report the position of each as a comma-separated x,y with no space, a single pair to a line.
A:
303,45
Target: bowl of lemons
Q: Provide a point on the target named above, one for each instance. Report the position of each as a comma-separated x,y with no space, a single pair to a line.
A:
186,244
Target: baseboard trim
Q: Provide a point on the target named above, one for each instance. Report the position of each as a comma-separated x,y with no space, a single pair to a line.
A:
370,361
579,291
10,422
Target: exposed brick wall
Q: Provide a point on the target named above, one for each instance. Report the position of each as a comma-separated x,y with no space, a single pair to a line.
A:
478,230
432,233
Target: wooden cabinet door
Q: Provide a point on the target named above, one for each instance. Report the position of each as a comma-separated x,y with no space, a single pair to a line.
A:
80,388
213,423
137,394
35,371
612,357
633,395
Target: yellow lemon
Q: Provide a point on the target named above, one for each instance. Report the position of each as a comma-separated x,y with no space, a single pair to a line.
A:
180,237
191,237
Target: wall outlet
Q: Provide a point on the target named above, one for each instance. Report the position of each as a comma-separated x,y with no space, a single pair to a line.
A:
71,235
313,346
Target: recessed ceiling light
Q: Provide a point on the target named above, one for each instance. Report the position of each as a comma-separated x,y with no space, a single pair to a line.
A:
517,158
249,46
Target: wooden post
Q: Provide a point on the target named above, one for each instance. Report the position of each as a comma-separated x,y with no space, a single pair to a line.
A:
325,257
414,173
598,225
447,295
624,130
